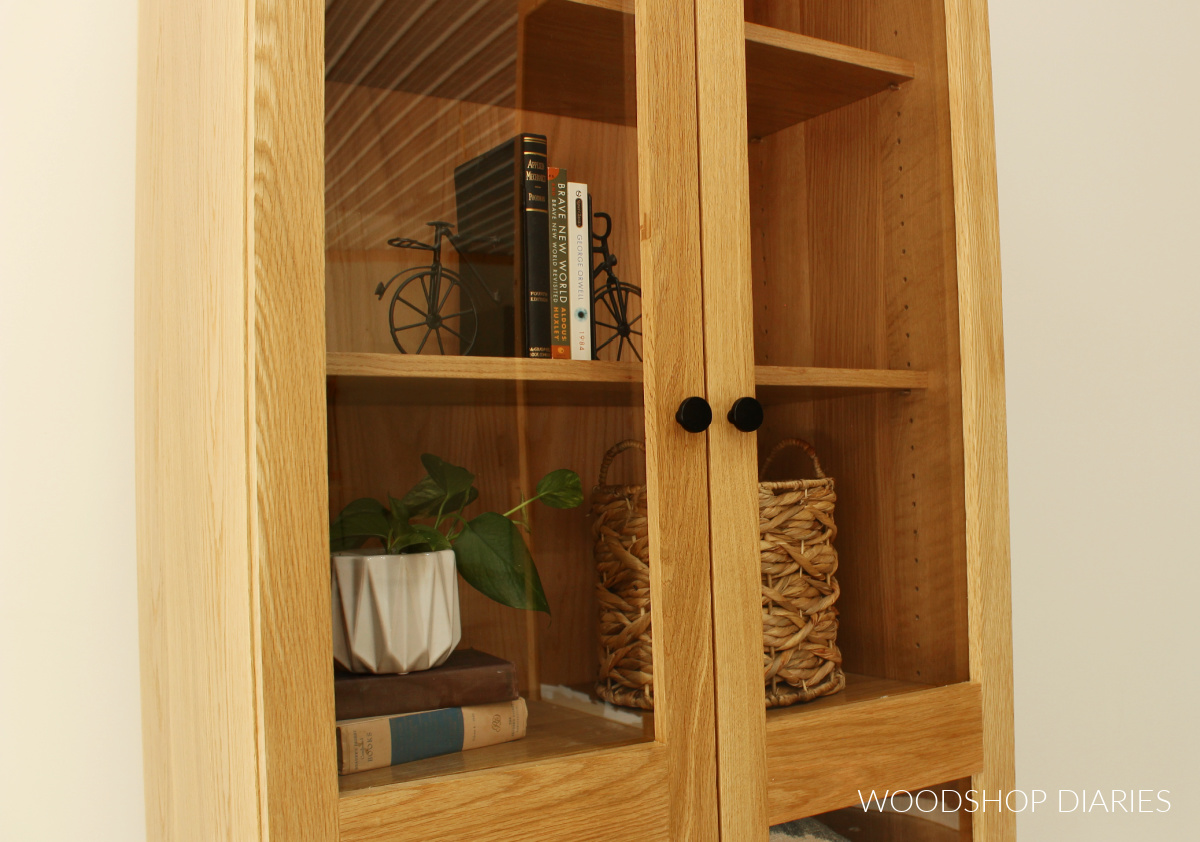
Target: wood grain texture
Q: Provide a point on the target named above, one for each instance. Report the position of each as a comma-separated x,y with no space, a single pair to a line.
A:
818,759
732,454
553,732
854,266
289,541
199,700
351,364
568,798
676,463
984,431
870,826
792,78
405,379
581,66
233,583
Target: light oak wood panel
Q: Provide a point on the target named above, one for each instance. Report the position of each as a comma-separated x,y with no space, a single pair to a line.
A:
985,447
199,711
548,801
818,759
289,549
676,464
733,482
233,619
778,383
352,364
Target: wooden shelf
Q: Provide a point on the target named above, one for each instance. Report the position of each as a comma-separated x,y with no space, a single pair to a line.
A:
494,381
888,734
781,384
789,77
870,826
407,379
553,731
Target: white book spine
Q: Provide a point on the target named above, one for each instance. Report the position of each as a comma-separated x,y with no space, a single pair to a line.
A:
580,264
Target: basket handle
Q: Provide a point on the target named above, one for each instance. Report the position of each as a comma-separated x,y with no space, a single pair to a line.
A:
786,443
613,452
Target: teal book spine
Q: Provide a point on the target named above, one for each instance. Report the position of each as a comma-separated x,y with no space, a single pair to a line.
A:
380,741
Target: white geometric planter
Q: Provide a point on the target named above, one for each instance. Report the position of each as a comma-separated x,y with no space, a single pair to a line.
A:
394,613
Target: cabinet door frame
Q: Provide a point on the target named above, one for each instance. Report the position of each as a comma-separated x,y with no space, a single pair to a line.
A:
729,341
232,499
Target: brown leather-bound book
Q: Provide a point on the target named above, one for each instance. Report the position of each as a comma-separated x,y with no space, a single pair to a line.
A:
469,677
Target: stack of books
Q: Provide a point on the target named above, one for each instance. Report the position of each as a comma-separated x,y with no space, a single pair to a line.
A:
511,203
469,702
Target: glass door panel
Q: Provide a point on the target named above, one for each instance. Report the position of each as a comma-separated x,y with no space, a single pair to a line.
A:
508,291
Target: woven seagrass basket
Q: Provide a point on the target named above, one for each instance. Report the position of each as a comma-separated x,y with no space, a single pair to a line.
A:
801,660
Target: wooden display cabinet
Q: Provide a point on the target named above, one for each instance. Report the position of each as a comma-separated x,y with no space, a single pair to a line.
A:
805,193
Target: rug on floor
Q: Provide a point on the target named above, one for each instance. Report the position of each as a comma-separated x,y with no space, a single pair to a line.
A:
804,830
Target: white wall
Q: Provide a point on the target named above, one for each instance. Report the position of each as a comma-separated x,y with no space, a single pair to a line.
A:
1097,123
70,727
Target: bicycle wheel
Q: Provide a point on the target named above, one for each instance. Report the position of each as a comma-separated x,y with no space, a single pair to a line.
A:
415,321
612,306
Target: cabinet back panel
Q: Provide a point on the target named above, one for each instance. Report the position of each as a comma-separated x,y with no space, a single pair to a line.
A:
374,449
854,266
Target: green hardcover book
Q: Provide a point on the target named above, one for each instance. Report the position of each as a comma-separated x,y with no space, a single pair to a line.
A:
560,296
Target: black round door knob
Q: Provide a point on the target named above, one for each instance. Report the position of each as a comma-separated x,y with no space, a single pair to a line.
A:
746,414
694,415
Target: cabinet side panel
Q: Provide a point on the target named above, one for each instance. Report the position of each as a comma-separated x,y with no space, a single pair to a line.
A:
291,542
984,436
194,588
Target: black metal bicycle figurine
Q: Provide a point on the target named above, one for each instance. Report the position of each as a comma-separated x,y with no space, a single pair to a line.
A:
615,295
413,322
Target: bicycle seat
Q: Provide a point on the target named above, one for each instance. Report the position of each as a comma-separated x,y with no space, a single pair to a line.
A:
407,243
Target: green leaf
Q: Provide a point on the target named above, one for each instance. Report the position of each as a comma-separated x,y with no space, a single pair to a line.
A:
399,512
450,478
429,535
491,555
346,542
362,519
425,499
561,489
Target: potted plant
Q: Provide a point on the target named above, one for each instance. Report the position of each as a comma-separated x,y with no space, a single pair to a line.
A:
395,608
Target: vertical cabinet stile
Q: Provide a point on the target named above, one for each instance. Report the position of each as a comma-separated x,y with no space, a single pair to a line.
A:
677,473
732,454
